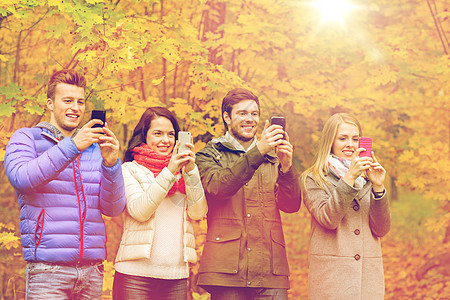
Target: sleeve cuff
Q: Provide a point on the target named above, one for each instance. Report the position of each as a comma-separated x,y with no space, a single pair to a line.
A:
166,179
255,158
378,196
192,177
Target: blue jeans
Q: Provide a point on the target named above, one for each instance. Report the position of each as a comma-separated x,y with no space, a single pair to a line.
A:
147,288
58,282
246,293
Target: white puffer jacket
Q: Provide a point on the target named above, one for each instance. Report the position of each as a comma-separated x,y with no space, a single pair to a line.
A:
144,193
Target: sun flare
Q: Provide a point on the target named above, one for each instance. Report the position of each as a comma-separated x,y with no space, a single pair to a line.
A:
333,10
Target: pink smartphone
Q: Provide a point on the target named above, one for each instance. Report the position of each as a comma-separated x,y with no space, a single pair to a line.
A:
366,143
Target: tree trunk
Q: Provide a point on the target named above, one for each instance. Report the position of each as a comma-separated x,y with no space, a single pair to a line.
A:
164,82
17,64
394,189
211,24
142,86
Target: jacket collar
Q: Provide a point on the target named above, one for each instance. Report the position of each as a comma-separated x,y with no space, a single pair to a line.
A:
223,143
57,134
232,140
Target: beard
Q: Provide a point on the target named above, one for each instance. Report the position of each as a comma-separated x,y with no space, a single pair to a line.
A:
235,133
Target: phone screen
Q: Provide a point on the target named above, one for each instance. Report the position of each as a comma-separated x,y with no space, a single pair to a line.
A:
99,115
366,143
184,137
278,121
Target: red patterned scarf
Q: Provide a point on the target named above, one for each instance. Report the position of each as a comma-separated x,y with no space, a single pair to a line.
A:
156,162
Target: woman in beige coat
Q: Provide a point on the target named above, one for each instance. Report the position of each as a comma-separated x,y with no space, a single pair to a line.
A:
162,188
349,208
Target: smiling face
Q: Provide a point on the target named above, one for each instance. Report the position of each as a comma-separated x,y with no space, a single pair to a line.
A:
243,121
67,108
161,135
346,141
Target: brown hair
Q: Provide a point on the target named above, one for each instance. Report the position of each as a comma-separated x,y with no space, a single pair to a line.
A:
71,77
140,131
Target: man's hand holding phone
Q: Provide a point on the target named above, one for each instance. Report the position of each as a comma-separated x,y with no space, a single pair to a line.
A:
88,135
275,137
97,131
279,121
109,146
272,135
99,115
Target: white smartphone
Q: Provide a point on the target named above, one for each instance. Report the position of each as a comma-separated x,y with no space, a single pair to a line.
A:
184,137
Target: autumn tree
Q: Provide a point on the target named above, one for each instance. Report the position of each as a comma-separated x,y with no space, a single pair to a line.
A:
387,63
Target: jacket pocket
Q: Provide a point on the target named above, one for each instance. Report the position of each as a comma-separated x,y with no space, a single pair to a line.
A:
133,252
280,264
221,251
38,231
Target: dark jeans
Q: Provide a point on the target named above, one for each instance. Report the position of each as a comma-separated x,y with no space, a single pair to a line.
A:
146,288
245,293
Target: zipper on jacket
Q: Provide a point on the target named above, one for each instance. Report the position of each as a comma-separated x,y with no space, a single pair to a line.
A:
39,225
82,218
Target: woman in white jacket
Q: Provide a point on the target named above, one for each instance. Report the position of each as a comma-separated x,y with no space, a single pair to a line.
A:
162,188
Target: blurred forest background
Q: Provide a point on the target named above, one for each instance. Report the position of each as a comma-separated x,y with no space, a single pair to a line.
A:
385,61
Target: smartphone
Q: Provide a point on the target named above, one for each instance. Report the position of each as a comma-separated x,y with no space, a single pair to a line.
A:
184,137
99,115
278,121
366,143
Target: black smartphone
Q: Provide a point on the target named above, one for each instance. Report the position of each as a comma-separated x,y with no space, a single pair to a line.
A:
279,121
99,115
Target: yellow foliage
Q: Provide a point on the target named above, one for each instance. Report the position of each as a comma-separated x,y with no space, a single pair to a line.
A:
108,275
8,240
391,75
158,81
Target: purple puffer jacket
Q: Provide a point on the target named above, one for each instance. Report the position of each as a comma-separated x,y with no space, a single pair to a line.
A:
62,195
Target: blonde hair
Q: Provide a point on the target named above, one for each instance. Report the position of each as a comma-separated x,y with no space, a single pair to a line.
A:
319,169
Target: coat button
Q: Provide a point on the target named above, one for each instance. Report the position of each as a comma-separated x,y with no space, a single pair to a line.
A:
235,271
249,249
355,207
217,238
249,283
357,232
357,257
248,215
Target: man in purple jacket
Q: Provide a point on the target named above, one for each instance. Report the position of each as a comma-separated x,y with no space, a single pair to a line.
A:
65,178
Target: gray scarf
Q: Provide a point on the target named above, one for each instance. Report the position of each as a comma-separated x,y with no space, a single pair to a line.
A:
52,128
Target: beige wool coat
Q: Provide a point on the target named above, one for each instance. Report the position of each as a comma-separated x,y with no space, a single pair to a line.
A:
345,261
144,193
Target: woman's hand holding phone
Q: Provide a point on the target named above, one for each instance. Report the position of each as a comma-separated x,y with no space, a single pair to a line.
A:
357,166
376,174
183,153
